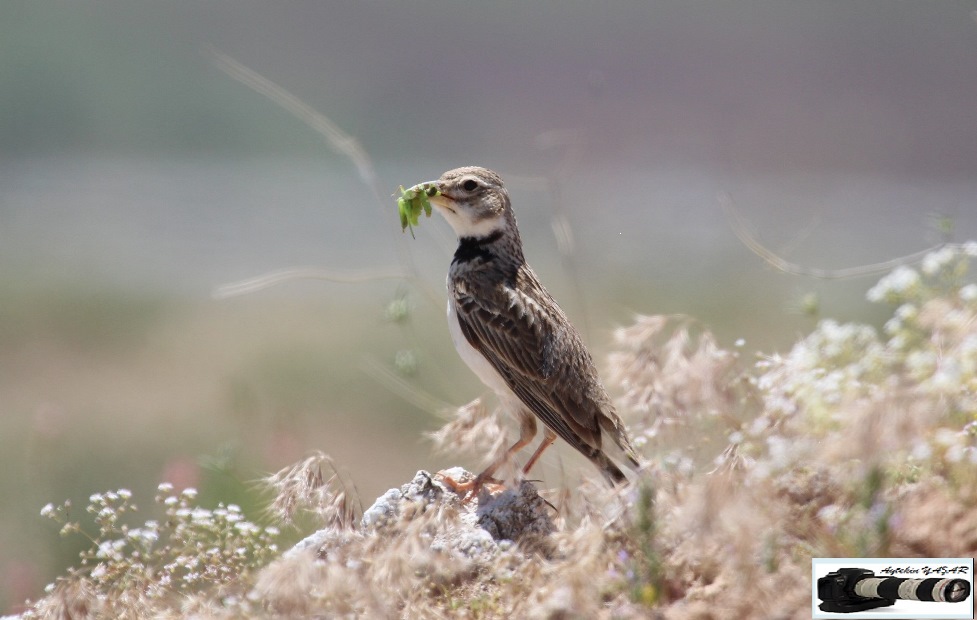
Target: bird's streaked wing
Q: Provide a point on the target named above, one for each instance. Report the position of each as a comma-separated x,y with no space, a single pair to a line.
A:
526,346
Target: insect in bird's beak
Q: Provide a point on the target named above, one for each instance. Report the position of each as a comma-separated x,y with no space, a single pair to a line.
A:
413,201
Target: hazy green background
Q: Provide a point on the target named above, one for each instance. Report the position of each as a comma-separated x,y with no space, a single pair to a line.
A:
135,177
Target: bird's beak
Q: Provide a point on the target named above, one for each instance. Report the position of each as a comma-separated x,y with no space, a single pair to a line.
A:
441,200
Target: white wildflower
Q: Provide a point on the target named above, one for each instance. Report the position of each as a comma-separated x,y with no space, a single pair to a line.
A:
968,346
945,437
898,342
110,550
947,376
921,363
922,451
831,515
146,536
907,312
246,527
935,261
758,426
955,453
900,281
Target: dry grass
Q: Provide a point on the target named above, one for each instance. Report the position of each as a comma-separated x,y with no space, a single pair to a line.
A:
852,444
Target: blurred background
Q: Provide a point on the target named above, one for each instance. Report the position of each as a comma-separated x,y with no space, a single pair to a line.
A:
136,177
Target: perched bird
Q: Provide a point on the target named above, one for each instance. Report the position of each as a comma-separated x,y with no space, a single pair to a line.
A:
513,335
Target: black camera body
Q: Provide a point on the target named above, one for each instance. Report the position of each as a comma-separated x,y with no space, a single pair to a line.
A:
848,590
837,590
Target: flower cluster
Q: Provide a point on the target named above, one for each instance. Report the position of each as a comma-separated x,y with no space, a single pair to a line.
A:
933,335
188,550
861,441
836,363
926,357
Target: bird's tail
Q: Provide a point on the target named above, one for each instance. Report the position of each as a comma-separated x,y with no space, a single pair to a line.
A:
622,444
611,471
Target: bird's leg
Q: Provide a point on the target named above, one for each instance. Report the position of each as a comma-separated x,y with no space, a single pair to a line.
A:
548,438
470,489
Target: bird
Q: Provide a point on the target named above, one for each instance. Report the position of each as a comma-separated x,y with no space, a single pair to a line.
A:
514,336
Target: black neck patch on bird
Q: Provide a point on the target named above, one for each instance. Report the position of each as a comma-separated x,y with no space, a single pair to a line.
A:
470,248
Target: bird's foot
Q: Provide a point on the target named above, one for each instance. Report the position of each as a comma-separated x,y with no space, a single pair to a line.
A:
470,487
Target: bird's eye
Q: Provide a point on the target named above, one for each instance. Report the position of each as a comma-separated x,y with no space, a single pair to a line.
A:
470,185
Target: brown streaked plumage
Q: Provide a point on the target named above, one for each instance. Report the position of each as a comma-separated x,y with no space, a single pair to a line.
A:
512,333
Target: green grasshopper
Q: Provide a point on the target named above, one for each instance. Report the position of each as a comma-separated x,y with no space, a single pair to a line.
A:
412,201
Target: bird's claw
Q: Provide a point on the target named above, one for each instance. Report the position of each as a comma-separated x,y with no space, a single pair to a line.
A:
471,488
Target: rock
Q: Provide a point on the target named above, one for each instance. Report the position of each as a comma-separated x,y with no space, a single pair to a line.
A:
516,514
476,528
320,542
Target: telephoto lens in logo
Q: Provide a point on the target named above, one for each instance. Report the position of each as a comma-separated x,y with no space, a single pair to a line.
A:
848,590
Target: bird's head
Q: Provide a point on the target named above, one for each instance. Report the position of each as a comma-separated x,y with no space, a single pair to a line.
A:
474,201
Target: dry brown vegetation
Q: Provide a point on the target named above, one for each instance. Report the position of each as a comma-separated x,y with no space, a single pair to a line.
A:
852,444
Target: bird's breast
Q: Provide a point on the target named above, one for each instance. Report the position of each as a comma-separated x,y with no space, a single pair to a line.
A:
475,360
